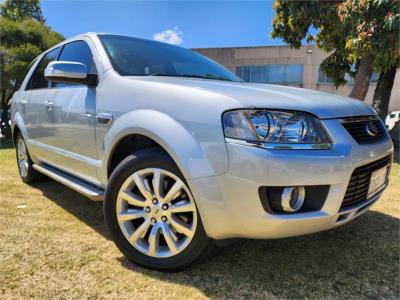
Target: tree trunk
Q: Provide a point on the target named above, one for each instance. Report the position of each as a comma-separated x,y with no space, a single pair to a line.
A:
383,91
4,125
363,78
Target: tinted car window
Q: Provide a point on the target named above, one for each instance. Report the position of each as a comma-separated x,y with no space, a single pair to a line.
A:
78,51
136,57
38,81
21,80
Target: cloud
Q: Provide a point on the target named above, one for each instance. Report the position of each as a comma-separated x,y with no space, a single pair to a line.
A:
170,36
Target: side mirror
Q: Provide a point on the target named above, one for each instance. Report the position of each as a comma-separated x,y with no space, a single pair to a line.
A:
69,72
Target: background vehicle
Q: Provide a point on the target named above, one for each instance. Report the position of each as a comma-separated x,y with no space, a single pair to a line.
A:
395,134
182,151
392,118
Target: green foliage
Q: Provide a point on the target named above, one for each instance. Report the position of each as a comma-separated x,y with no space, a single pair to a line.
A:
23,36
30,31
15,63
373,28
349,30
17,10
295,19
335,67
20,42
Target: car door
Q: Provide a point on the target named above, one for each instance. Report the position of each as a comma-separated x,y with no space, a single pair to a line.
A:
38,110
75,118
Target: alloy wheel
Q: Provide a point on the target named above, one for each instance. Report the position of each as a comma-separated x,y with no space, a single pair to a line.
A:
22,158
156,212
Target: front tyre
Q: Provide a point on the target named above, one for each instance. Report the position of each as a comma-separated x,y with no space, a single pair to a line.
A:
151,213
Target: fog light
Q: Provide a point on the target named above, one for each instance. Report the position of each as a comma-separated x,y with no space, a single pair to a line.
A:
292,198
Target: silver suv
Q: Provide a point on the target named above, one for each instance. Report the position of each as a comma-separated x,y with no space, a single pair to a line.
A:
184,152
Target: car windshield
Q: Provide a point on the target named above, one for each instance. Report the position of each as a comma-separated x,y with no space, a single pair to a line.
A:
137,57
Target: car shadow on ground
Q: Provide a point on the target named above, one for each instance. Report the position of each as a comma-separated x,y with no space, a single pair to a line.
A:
90,212
361,256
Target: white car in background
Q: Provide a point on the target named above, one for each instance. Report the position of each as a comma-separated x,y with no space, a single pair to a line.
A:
391,119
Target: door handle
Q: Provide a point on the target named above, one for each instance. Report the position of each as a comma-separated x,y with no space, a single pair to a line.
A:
86,115
23,105
104,118
49,105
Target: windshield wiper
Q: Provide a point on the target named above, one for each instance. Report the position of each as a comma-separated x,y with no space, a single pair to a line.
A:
161,74
191,76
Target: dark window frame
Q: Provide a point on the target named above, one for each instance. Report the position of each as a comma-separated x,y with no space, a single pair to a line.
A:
60,48
19,85
52,84
29,83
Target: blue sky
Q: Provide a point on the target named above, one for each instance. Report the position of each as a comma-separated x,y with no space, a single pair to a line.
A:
186,23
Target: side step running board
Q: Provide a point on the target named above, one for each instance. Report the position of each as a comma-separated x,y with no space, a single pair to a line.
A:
88,190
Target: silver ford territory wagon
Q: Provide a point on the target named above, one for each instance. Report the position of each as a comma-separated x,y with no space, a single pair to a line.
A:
183,152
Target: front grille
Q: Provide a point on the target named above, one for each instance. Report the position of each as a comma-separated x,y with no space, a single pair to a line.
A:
357,190
358,129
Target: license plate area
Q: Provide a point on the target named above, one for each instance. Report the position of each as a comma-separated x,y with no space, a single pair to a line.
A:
378,180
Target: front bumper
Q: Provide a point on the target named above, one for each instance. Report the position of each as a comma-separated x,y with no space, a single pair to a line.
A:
230,205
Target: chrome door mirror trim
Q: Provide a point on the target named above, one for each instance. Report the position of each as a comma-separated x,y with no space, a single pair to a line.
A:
69,72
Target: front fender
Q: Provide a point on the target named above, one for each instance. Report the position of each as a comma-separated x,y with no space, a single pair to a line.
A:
198,153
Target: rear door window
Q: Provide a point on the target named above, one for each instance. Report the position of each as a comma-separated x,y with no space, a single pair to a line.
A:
38,81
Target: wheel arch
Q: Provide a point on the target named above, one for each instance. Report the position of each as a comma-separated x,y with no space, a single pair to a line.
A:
15,132
127,145
17,126
159,130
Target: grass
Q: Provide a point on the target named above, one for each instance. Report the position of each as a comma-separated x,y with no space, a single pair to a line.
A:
54,245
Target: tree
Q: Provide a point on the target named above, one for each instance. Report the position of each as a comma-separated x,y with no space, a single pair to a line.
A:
383,91
17,10
374,31
21,40
294,22
360,33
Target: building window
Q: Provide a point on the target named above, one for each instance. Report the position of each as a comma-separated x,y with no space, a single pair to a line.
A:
374,77
324,79
273,74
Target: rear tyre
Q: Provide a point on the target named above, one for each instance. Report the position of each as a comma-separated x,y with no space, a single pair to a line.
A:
151,214
26,171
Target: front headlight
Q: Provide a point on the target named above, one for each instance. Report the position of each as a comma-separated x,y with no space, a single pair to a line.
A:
276,129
